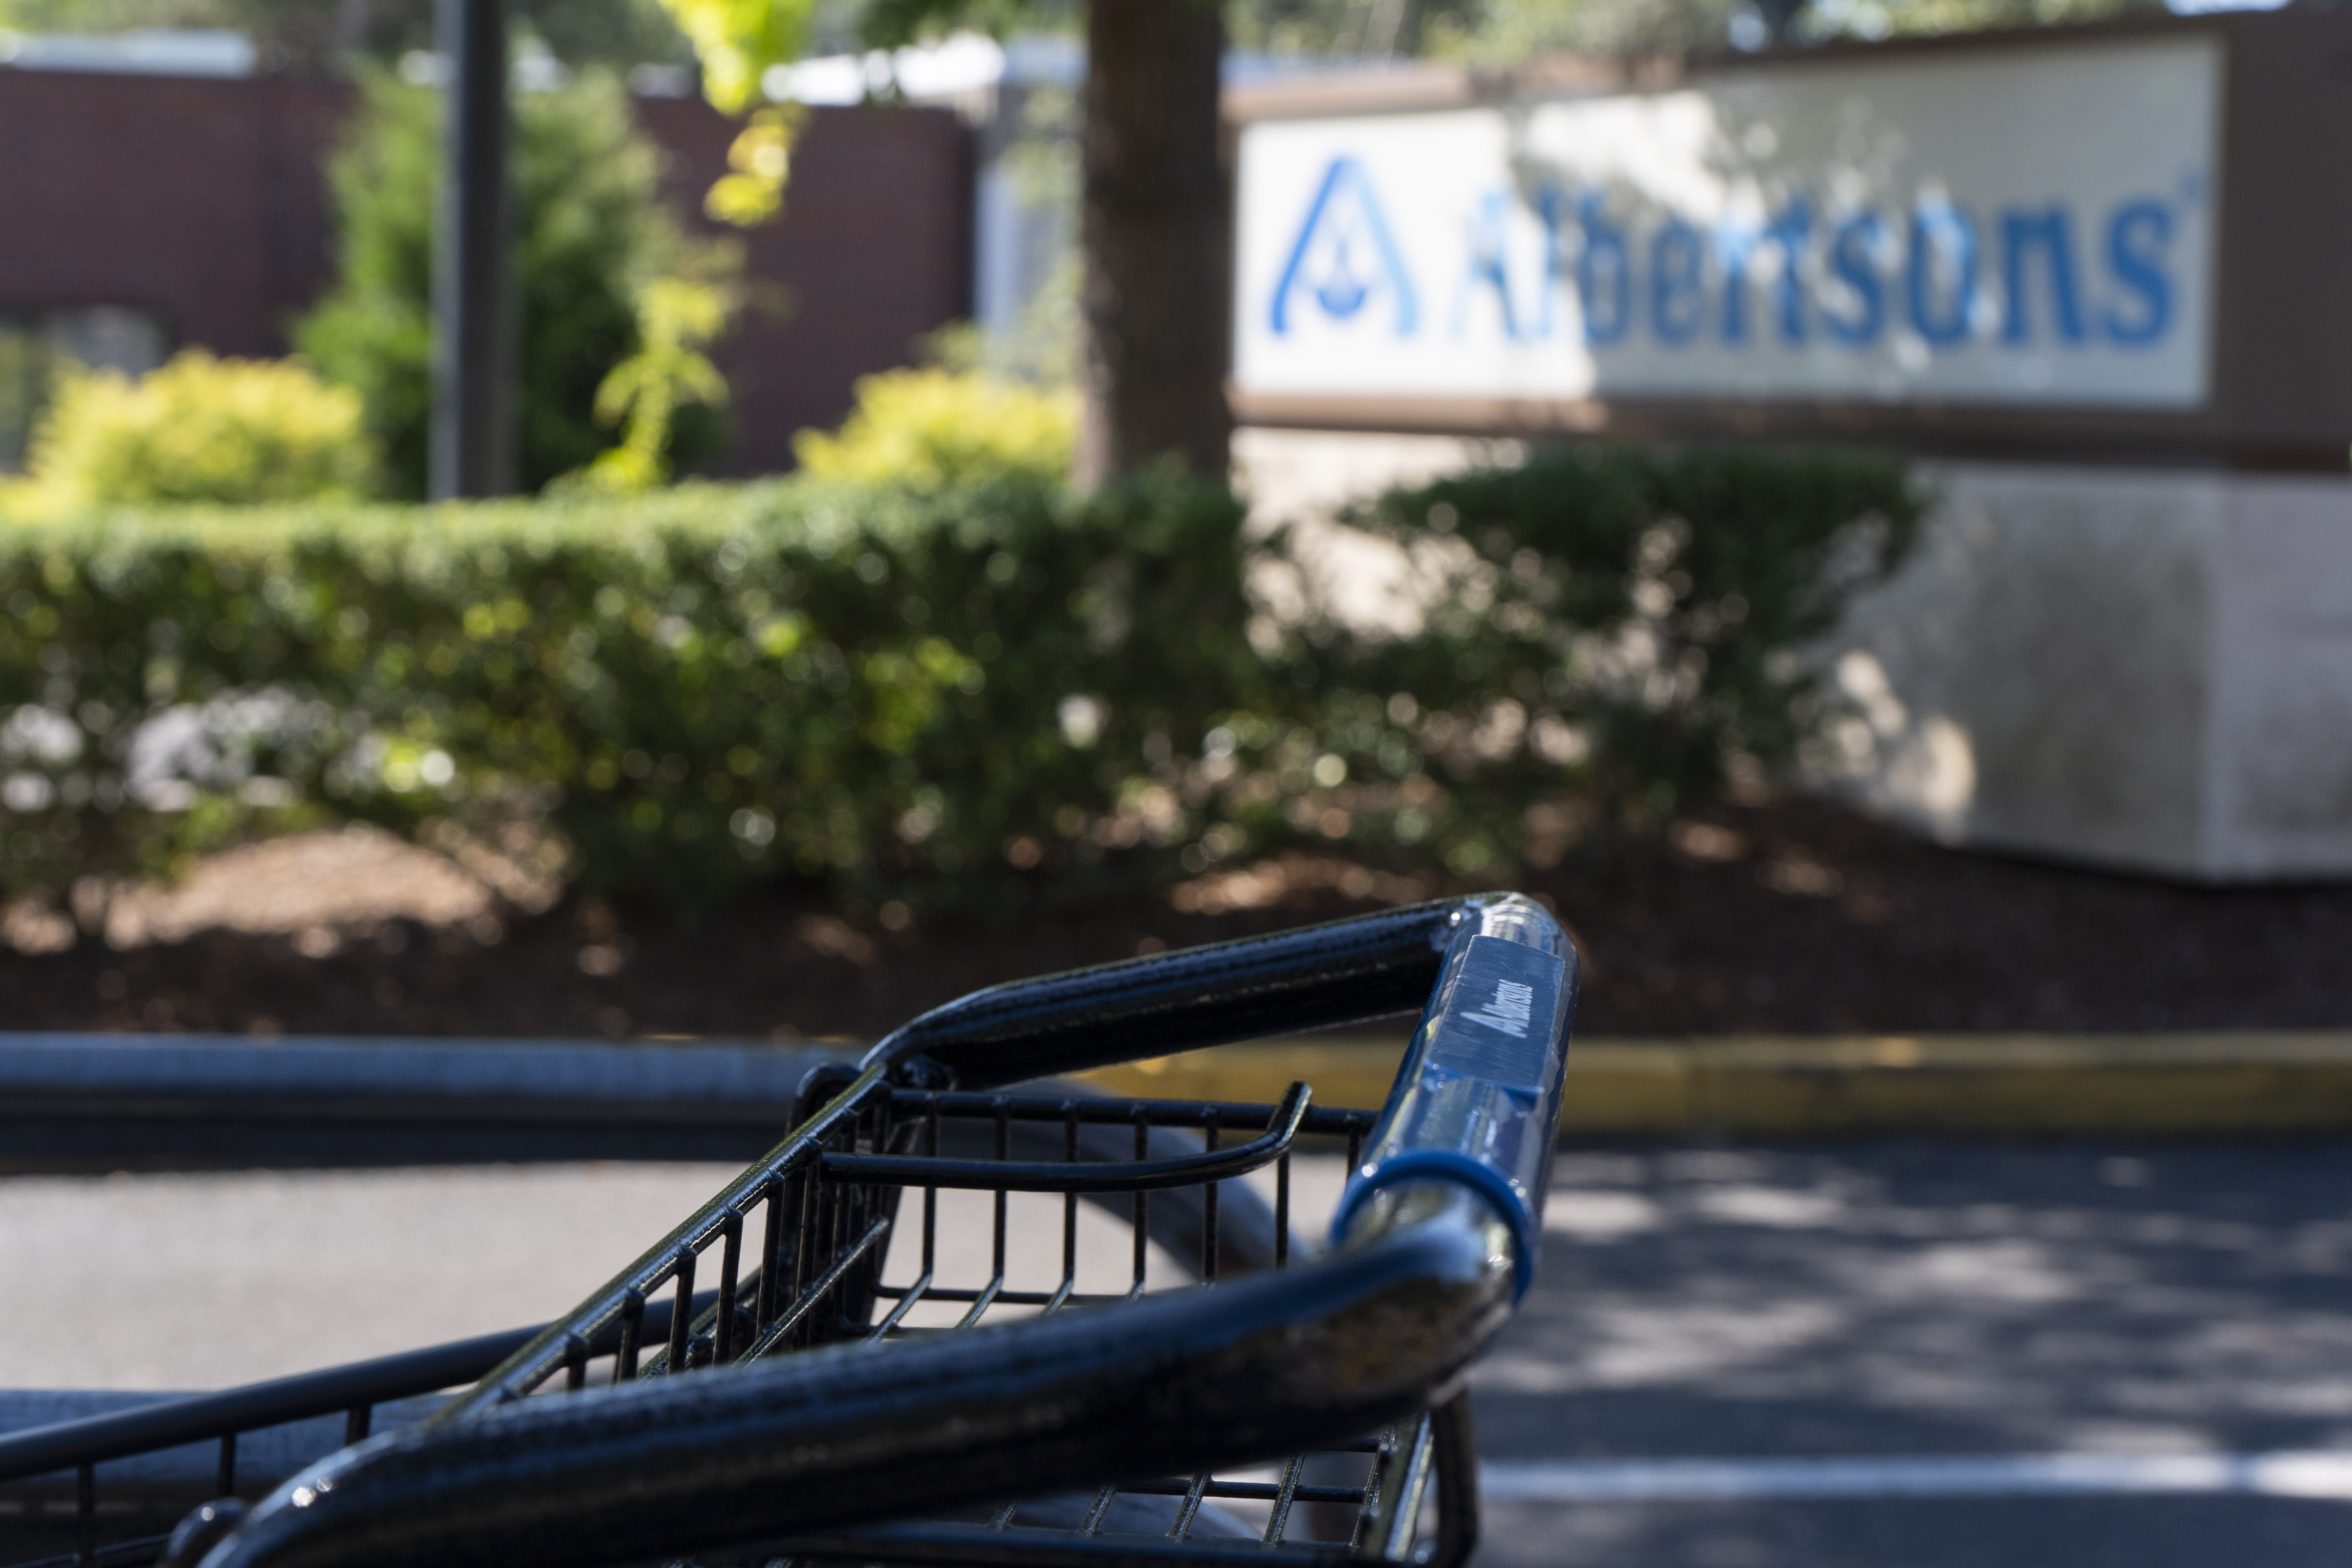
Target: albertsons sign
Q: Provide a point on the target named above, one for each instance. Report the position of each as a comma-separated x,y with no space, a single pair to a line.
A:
2012,226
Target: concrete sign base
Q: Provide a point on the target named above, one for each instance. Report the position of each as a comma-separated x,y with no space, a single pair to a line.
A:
2145,669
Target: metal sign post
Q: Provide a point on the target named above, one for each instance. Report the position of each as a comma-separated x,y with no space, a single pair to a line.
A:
472,443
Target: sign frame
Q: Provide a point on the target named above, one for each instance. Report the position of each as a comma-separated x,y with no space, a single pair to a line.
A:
2279,327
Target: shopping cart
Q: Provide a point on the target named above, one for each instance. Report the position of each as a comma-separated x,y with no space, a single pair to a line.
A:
868,1379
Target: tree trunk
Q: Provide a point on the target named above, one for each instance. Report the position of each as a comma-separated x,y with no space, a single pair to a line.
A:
1154,308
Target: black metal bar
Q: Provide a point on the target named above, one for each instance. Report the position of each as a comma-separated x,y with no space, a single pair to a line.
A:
1246,1491
124,1102
1321,1119
783,1327
771,1241
1209,1191
1398,1507
1374,966
984,1297
1142,1201
805,1258
471,446
1285,1495
633,1331
1069,1211
1282,1212
923,1545
931,1194
199,1417
1002,1203
1190,1506
908,1296
835,1226
723,1331
1376,1479
1002,1176
1457,1483
997,1206
1010,1298
227,1484
682,1323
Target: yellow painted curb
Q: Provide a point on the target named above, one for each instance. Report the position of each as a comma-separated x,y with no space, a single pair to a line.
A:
2176,1084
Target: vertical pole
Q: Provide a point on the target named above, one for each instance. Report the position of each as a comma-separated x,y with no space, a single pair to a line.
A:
472,445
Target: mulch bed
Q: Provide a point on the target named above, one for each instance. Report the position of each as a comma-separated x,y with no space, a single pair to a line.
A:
1791,917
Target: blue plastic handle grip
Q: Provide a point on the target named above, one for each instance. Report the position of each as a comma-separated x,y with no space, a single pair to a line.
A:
1478,1100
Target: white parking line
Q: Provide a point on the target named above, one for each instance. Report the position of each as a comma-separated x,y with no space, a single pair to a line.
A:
2321,1474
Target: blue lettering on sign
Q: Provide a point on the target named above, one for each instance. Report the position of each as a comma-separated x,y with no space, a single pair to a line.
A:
1732,248
1602,273
1854,261
1677,301
1344,255
2050,230
2137,238
1943,261
1603,264
2032,275
1489,266
1738,247
1790,231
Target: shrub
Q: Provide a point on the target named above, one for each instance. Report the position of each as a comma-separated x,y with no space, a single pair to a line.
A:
591,232
643,395
198,429
696,689
933,428
961,697
1610,633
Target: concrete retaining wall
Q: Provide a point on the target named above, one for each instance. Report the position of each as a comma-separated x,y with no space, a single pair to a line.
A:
2132,667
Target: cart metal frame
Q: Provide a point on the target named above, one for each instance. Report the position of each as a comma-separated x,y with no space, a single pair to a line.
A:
798,1412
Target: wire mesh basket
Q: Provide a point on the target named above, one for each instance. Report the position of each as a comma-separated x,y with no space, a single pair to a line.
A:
952,1320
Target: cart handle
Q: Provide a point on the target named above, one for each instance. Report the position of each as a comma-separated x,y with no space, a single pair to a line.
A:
1476,1100
1313,977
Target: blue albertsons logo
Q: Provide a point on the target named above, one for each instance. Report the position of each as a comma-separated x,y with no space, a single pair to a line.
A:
1944,272
1345,257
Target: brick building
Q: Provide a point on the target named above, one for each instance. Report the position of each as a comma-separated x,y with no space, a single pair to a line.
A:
140,214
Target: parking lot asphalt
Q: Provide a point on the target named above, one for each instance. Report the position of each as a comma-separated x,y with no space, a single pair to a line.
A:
1883,1355
207,1281
2137,1333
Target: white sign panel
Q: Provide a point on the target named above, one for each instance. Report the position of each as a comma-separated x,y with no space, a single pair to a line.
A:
2030,226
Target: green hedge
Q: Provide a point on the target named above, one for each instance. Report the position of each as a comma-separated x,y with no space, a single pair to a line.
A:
695,691
1610,631
953,699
